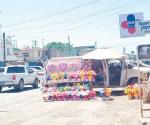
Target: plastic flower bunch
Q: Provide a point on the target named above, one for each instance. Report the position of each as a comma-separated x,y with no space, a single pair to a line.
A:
132,91
55,76
82,73
89,75
61,75
107,92
62,67
136,91
71,75
128,90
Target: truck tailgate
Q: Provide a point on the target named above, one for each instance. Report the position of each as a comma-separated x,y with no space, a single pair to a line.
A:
6,77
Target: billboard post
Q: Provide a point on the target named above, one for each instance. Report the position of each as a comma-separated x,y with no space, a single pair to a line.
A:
143,53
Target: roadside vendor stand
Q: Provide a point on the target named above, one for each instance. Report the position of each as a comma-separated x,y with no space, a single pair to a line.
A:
74,75
103,55
68,80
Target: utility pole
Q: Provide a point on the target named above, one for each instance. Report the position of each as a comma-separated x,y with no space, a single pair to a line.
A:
43,48
124,50
4,40
69,45
95,45
34,43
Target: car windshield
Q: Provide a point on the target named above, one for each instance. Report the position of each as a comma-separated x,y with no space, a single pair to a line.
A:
35,64
15,70
36,67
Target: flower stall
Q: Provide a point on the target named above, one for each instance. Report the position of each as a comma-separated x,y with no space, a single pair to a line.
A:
67,91
68,81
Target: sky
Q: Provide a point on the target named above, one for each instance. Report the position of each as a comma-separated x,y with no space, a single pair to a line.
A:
85,21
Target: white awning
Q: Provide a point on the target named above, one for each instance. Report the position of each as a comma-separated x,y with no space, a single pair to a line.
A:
100,54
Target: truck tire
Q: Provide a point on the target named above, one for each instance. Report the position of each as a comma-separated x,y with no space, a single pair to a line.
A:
35,84
1,88
20,86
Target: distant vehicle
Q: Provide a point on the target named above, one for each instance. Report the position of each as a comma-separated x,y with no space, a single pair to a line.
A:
2,69
2,63
7,63
36,63
17,76
40,71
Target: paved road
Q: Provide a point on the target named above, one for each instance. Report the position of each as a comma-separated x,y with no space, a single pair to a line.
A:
27,108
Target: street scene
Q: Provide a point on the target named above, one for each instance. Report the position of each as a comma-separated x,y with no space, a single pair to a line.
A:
28,108
68,62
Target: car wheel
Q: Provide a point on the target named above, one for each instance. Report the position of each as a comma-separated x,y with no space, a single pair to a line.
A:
1,88
20,86
35,84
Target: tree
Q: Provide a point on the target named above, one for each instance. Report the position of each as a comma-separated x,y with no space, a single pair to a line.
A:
60,46
16,49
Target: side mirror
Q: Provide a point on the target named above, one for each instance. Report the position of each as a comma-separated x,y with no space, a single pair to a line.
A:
129,66
30,71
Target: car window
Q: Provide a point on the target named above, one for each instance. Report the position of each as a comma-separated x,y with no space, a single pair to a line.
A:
35,64
16,70
36,67
146,62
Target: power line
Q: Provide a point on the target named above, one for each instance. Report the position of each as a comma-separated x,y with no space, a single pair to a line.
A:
100,12
68,20
55,14
91,22
79,27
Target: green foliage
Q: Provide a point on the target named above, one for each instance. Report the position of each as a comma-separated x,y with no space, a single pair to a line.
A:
60,46
16,49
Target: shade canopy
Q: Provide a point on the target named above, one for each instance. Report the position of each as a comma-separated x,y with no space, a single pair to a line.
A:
100,54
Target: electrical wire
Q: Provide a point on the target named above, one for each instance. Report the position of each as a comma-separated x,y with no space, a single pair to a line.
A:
91,22
54,14
124,7
103,11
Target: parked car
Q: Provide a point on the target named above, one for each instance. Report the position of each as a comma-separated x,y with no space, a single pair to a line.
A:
40,71
36,63
127,71
17,76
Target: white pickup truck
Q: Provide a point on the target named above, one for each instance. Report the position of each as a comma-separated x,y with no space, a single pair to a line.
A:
17,76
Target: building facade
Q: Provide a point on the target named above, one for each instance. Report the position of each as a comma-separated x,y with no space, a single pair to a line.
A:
8,52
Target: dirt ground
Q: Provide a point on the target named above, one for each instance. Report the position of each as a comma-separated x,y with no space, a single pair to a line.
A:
28,108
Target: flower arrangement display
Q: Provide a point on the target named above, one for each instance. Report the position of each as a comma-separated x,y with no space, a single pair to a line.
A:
81,75
52,67
132,91
87,75
64,70
78,91
55,76
72,67
62,67
91,75
105,92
